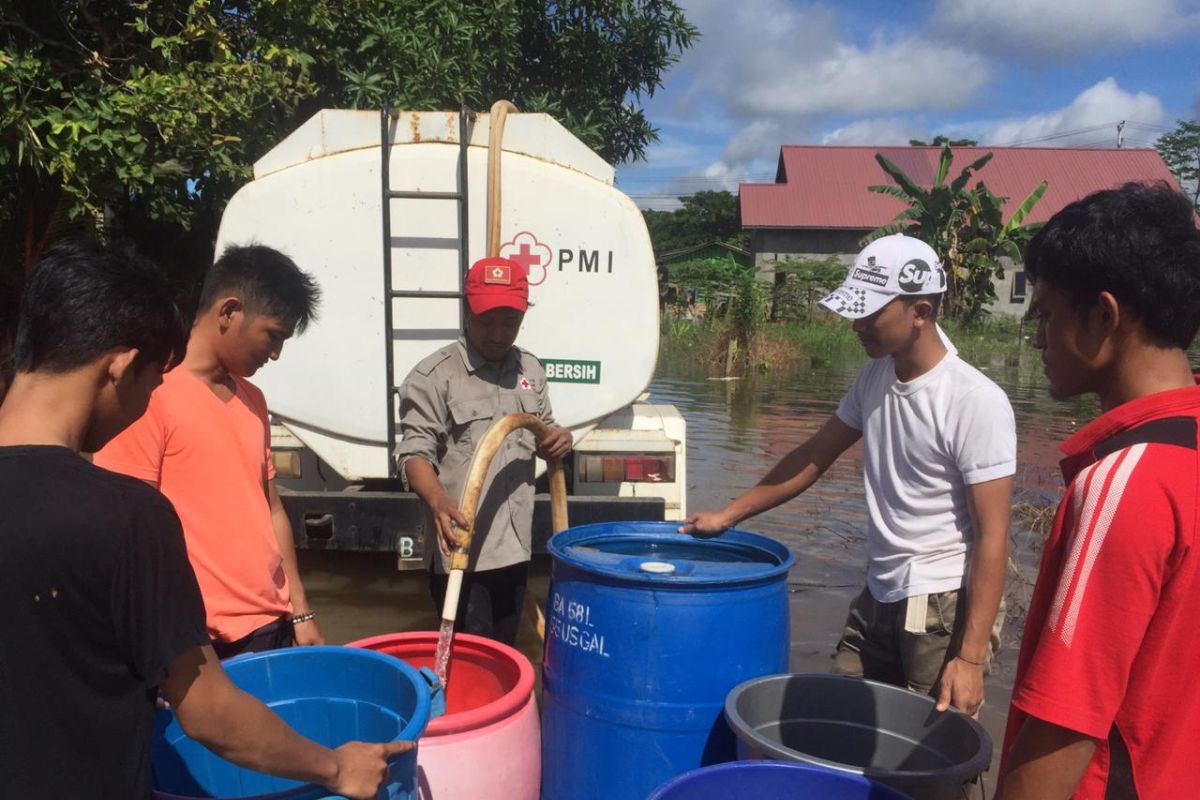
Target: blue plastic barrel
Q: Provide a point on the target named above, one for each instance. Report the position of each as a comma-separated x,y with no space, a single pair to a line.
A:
647,631
771,780
332,695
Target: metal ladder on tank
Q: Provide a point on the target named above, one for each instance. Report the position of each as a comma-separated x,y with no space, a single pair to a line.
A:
388,118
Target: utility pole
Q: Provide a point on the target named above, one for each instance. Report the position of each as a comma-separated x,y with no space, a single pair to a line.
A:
1120,133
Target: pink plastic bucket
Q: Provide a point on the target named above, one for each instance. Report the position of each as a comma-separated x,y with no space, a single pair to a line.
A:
488,743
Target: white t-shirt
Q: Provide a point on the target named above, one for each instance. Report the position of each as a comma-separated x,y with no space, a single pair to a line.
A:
924,442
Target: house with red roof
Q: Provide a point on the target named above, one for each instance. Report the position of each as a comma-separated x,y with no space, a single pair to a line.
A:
819,203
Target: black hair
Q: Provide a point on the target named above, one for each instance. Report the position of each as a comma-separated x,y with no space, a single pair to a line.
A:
266,281
934,300
1140,244
84,299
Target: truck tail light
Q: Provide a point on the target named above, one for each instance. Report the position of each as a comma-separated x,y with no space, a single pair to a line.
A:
625,468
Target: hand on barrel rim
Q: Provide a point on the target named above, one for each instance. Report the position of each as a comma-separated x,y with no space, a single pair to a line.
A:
362,768
449,520
961,686
706,523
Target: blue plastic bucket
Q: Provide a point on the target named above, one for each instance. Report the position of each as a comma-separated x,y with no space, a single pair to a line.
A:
647,631
771,780
332,695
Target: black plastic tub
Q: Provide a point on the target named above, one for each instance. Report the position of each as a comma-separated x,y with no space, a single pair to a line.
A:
887,733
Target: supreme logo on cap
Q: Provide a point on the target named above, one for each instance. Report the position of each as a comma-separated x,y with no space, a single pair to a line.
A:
498,274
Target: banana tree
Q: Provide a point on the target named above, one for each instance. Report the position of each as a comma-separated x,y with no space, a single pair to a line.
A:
964,226
988,240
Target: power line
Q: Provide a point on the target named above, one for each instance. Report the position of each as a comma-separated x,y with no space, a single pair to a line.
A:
1060,135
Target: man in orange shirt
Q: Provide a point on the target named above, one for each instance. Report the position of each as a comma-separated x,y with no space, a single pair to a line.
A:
204,442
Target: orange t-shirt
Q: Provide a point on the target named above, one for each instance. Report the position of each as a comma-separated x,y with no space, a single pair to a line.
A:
211,459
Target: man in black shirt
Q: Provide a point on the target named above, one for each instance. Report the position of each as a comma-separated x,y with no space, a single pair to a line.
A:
8,330
99,608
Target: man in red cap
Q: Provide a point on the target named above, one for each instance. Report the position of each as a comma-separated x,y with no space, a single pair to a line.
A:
447,403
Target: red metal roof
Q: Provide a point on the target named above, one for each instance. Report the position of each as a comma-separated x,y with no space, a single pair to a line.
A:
826,187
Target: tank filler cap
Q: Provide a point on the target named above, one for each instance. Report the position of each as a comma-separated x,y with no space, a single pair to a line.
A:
657,567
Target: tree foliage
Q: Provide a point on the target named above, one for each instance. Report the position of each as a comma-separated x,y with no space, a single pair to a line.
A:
801,282
964,226
709,216
1180,149
141,117
941,141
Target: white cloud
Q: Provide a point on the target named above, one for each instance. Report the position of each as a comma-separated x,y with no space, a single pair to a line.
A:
1040,31
782,70
887,76
756,140
1090,119
884,130
770,57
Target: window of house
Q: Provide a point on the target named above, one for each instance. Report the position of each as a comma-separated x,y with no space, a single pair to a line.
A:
1018,287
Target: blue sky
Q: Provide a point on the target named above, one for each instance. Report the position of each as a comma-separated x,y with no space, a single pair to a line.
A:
1035,72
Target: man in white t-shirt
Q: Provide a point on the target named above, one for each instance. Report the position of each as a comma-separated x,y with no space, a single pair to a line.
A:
939,446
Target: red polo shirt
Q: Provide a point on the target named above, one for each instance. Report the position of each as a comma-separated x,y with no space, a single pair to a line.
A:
1110,647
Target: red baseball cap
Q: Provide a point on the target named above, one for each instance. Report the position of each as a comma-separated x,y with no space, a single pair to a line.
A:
497,283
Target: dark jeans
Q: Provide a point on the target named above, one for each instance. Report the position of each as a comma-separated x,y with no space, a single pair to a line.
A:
490,602
272,636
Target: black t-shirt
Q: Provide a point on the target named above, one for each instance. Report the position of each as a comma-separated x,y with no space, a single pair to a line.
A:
96,599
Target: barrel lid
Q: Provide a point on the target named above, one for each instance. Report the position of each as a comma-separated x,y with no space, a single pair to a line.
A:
656,553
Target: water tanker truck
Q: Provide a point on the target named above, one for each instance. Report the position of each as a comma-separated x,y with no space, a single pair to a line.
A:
387,211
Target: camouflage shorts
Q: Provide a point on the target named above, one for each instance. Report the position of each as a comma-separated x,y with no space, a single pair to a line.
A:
876,644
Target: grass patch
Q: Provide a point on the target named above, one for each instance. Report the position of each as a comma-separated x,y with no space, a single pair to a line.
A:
995,344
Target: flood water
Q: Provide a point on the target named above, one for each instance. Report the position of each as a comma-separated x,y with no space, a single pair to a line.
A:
737,430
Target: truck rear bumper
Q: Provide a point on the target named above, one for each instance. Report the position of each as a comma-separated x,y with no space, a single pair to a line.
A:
394,522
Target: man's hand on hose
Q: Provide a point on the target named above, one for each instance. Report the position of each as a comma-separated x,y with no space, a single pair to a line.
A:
555,444
446,516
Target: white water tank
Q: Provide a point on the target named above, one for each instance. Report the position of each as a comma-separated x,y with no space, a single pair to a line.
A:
317,197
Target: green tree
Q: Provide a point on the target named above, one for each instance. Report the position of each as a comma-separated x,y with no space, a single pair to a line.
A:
141,117
800,282
987,239
1180,149
708,216
963,225
942,141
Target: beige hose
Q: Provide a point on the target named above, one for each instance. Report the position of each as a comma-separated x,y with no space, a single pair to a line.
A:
469,504
500,110
480,462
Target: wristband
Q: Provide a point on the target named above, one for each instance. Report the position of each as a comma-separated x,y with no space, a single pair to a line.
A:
307,616
972,663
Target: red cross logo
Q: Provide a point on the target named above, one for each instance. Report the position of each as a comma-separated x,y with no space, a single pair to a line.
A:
534,256
500,274
525,384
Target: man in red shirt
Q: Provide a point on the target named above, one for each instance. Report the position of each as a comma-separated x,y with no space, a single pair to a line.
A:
1106,702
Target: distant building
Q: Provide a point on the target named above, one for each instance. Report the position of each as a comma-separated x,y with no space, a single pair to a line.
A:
819,203
718,251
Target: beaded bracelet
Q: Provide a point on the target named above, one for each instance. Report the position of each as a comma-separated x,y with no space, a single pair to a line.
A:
305,617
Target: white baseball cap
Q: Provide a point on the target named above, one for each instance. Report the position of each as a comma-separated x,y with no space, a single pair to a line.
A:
887,268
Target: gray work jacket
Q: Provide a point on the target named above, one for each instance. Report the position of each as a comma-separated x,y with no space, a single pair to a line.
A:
447,404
